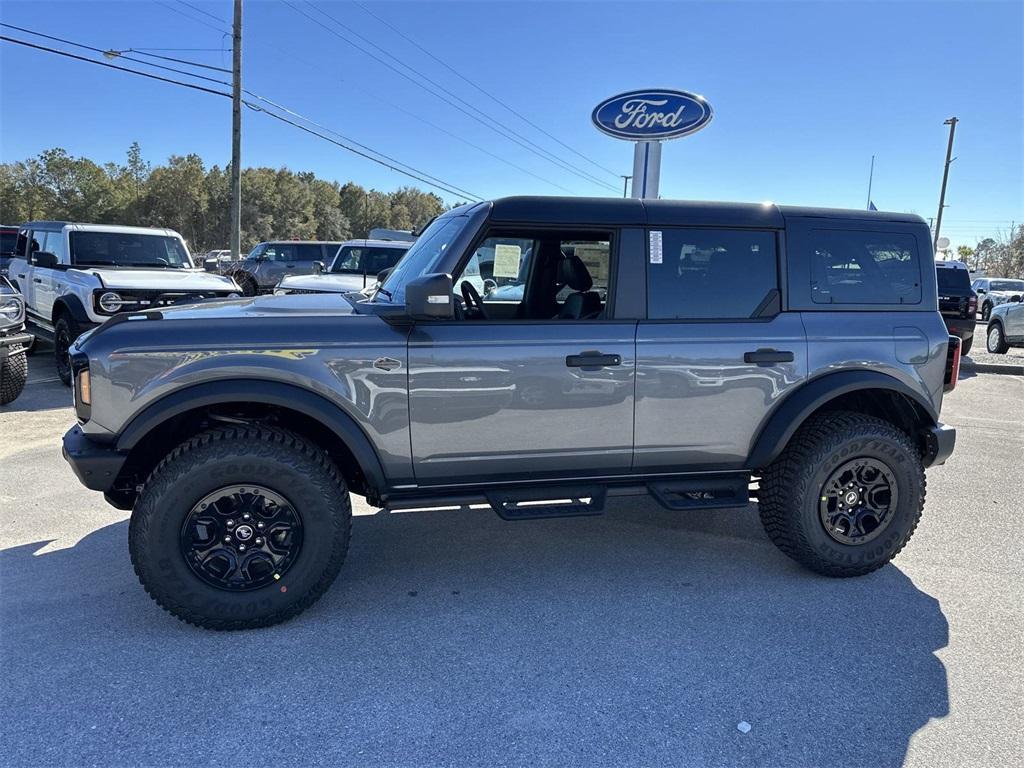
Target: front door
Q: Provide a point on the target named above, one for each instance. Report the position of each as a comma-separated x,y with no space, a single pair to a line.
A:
715,355
539,382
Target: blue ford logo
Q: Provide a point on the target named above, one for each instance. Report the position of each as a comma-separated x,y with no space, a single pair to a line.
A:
652,115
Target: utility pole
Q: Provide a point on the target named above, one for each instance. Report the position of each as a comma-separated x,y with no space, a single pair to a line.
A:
945,177
236,135
625,184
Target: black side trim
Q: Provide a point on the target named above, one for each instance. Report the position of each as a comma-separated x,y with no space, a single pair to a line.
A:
791,413
95,465
265,392
939,443
75,307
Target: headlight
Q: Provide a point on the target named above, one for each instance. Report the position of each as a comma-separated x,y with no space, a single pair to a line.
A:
11,308
234,295
110,302
280,291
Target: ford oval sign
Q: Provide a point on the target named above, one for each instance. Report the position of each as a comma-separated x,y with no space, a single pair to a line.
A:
652,115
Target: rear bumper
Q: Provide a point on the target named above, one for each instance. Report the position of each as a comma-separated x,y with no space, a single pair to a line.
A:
95,465
939,443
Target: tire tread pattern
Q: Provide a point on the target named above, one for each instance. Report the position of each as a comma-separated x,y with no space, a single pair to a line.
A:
13,375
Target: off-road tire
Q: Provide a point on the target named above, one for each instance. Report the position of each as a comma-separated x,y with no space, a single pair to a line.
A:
274,458
790,488
966,344
995,339
246,282
986,311
13,375
65,331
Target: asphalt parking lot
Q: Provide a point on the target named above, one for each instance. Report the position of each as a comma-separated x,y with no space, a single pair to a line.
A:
453,638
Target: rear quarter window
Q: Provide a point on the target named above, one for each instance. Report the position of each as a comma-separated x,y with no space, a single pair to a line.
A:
863,267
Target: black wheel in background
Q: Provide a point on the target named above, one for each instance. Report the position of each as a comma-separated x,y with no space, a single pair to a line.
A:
966,344
65,331
13,375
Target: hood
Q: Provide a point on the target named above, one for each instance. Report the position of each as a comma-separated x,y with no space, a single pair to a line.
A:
329,283
300,305
161,279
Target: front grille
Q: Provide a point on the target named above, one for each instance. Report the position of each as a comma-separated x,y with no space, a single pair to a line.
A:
138,300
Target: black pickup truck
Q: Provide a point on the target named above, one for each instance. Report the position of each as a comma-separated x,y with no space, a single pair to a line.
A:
958,302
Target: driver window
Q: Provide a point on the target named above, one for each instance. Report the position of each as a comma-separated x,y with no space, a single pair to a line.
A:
552,276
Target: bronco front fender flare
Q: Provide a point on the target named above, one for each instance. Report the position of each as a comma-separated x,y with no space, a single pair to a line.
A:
263,392
794,410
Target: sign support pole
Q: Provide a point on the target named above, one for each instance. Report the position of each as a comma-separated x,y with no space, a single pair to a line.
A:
646,169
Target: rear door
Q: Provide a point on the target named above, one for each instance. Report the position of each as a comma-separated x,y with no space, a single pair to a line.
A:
46,282
21,268
715,353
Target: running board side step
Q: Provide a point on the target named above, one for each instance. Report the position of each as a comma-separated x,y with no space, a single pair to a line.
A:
547,502
713,492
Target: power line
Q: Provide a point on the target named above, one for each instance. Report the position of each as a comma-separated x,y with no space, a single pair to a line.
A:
489,123
191,17
480,88
412,173
144,52
205,13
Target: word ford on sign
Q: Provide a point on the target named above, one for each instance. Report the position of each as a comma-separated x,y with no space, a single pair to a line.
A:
651,115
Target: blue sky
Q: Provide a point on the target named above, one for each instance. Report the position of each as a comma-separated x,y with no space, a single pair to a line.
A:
804,94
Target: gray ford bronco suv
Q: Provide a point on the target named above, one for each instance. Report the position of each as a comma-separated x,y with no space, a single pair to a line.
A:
704,353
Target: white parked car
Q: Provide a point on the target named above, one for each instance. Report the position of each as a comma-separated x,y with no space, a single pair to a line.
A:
993,291
75,276
354,268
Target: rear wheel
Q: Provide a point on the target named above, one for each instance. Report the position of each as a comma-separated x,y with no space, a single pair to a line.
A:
13,375
996,340
986,311
240,527
845,496
965,345
65,331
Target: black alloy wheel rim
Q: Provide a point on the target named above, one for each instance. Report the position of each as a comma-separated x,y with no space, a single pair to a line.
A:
858,501
61,345
241,537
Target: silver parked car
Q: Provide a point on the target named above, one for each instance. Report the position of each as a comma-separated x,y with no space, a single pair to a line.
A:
268,263
993,291
676,349
355,267
1006,325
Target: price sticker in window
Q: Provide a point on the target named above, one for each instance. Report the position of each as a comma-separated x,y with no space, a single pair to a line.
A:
655,249
506,260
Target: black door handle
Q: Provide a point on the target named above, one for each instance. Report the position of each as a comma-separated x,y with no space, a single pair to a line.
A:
766,357
592,360
36,280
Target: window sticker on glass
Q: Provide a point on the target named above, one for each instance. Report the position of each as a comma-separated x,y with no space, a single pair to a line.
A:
506,260
656,254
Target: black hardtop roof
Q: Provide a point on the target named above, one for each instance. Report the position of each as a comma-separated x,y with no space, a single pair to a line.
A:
631,211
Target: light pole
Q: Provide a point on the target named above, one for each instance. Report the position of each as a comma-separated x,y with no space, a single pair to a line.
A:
625,183
945,177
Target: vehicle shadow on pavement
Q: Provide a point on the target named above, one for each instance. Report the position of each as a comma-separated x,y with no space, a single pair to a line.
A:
639,637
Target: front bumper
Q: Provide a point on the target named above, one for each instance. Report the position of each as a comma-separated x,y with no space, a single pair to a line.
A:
95,465
939,443
15,343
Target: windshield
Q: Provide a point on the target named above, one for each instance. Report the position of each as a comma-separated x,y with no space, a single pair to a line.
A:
422,257
353,260
1007,285
128,249
8,241
952,279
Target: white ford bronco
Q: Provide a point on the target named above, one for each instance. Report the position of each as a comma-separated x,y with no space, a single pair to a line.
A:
75,276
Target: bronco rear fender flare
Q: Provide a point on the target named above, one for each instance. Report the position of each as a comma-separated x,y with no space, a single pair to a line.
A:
784,421
263,392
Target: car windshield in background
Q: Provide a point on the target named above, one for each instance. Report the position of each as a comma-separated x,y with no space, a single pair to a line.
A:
422,256
8,242
953,279
1006,285
353,260
128,249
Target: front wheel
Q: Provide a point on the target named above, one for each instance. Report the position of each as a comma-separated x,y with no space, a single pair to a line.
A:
986,311
845,496
240,527
996,341
65,331
13,375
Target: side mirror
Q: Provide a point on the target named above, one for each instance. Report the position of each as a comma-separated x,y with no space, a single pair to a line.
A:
1016,298
980,290
211,265
430,298
318,267
44,259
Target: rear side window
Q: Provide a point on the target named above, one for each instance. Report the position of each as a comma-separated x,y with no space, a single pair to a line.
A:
698,274
851,267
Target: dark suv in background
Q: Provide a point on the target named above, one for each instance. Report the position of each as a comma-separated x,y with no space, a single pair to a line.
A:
958,302
8,245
